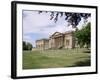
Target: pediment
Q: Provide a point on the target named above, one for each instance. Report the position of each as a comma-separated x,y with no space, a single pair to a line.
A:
56,34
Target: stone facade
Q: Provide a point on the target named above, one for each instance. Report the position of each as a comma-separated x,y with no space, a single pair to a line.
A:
57,41
42,44
69,40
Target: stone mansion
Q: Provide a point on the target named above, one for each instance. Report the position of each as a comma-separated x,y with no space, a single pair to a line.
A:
57,41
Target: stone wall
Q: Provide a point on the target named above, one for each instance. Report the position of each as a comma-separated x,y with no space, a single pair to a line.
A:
57,41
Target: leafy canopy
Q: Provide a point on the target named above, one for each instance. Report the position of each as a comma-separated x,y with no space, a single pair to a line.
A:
84,35
27,46
71,17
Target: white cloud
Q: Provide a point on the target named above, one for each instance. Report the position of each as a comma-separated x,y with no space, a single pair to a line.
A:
34,23
81,24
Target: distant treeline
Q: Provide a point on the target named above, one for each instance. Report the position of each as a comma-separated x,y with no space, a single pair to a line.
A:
27,46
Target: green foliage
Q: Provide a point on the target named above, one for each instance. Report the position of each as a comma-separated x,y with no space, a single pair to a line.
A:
83,36
72,18
27,46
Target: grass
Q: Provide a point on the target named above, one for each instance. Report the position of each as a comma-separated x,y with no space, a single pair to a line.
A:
55,58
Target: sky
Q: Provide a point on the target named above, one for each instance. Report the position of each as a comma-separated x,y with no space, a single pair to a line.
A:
38,26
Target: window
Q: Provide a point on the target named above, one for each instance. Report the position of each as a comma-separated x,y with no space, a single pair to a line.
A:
67,42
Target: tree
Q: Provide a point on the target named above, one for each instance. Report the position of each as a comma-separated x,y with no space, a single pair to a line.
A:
24,45
27,46
71,17
84,36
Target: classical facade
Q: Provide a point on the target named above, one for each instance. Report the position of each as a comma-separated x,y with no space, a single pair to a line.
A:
42,44
57,41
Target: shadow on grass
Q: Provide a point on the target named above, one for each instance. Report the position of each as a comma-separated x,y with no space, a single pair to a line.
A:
82,63
88,51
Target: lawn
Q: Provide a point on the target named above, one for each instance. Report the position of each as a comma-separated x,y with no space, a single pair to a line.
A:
55,58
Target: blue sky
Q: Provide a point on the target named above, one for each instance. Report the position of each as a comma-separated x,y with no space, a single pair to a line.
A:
37,26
